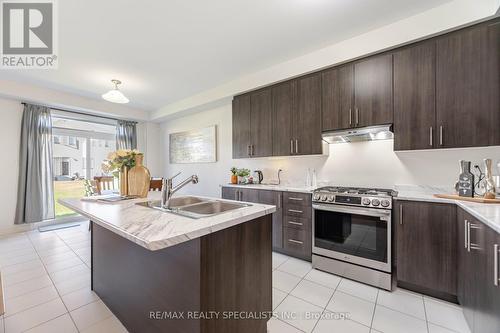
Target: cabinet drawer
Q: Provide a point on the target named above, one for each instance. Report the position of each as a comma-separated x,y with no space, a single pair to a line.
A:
297,242
297,222
298,211
296,199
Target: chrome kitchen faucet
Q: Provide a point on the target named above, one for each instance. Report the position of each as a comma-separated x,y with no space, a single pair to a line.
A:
168,190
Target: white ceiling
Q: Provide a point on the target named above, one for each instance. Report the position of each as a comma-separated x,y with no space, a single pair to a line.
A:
164,51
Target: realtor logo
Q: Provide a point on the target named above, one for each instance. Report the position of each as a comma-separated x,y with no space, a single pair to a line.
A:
28,34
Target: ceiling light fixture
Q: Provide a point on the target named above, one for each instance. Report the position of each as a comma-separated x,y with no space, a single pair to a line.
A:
115,95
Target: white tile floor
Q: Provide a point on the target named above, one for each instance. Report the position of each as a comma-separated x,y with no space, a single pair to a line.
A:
46,280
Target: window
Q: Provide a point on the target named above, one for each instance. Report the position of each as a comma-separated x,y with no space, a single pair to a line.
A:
79,150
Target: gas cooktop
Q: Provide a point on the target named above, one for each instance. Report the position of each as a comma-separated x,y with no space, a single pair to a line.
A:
355,196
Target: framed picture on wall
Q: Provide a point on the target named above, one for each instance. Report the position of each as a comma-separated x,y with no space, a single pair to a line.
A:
194,146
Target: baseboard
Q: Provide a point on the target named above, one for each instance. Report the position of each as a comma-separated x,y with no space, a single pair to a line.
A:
17,228
429,292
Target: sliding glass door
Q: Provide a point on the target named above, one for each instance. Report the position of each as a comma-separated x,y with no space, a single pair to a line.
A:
80,147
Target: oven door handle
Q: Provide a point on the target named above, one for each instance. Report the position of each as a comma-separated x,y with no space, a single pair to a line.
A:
382,213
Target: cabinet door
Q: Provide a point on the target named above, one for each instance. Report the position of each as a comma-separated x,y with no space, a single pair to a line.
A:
414,97
249,195
487,315
230,193
467,87
307,119
284,99
466,284
426,247
338,92
373,91
274,198
241,126
261,137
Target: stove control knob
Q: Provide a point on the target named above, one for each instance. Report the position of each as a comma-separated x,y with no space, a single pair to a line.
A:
366,201
323,197
331,198
385,203
316,196
375,202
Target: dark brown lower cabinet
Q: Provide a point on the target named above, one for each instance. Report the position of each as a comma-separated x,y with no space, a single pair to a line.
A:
426,237
264,197
478,292
292,220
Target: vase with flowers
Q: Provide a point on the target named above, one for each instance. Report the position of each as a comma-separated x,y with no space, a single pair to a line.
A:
234,175
119,163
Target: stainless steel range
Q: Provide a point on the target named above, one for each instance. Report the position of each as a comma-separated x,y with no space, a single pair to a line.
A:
352,233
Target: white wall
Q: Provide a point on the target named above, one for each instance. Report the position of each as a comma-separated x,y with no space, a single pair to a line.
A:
363,164
433,21
10,136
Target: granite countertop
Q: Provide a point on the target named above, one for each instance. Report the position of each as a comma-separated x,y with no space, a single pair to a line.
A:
156,230
283,187
489,214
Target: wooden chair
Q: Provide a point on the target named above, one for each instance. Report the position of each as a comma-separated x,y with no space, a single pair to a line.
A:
104,183
155,184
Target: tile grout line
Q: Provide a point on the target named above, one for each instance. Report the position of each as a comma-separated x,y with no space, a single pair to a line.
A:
60,297
374,310
329,300
425,314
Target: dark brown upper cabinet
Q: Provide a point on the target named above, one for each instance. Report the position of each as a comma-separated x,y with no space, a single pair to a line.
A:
307,118
337,98
252,124
426,240
373,100
261,136
241,126
284,106
414,97
467,87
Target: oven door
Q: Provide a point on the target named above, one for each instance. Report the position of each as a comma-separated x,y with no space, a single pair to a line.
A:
353,234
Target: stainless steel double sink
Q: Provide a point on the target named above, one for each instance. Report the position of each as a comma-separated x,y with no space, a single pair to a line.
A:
194,207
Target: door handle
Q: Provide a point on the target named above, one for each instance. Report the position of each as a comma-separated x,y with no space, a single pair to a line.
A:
295,223
470,245
431,139
401,214
296,146
441,135
291,146
466,241
495,264
295,241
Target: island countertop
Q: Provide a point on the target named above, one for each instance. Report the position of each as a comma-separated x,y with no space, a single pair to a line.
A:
154,229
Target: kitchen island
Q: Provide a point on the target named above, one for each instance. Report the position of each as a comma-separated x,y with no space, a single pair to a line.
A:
163,272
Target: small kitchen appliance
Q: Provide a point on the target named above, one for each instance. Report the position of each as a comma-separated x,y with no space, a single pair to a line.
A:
351,233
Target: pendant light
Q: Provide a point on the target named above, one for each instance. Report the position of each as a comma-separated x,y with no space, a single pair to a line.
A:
115,95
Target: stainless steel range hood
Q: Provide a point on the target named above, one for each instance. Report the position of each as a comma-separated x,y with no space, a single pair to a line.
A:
380,132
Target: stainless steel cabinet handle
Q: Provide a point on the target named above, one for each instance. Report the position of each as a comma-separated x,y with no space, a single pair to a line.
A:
296,146
400,213
440,135
279,200
296,199
470,245
466,240
251,150
431,130
350,117
295,241
295,211
295,223
240,195
495,264
291,146
236,195
357,116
